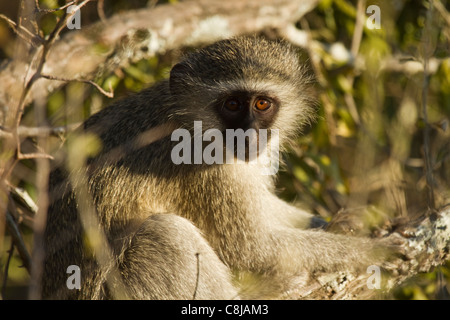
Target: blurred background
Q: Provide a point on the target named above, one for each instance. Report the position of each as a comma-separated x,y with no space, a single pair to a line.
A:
367,148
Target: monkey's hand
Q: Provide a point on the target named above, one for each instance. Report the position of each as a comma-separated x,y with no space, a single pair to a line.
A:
317,222
356,221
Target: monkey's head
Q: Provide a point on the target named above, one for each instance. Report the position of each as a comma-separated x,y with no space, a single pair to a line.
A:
244,82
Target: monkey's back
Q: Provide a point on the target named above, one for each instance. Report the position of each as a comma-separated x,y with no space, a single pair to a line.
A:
119,170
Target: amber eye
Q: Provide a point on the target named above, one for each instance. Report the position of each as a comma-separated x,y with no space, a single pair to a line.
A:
232,104
262,104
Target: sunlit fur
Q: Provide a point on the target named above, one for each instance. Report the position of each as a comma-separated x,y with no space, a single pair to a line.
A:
157,216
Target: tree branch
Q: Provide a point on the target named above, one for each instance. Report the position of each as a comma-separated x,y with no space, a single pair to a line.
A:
109,94
25,132
426,245
100,48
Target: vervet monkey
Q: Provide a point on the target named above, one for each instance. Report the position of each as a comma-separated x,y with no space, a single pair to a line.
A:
184,231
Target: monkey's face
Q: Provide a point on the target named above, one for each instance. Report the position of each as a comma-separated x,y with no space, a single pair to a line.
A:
242,83
247,110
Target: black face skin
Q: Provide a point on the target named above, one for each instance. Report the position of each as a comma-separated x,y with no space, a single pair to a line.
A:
245,110
248,110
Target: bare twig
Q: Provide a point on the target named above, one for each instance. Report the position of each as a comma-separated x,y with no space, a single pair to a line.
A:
165,29
18,241
152,3
427,51
46,49
16,235
24,199
109,94
56,9
356,42
35,155
11,163
359,27
96,236
8,261
311,47
25,132
23,32
444,13
40,221
101,10
42,163
197,256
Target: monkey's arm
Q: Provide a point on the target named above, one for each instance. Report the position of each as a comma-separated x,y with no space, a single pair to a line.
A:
313,250
317,249
272,243
284,257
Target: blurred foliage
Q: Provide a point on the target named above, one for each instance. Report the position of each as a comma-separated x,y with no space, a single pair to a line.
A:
367,145
371,152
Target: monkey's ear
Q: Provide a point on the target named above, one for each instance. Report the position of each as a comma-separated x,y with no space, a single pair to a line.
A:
179,77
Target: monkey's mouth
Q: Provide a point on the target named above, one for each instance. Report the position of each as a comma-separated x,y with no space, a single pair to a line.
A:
226,146
250,150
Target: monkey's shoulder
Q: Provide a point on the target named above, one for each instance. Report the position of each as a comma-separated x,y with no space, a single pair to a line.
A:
131,116
138,109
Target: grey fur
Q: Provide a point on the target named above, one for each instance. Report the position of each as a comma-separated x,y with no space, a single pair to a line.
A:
178,232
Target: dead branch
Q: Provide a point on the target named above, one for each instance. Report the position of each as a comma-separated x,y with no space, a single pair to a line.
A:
426,245
22,32
18,241
102,47
109,94
25,132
